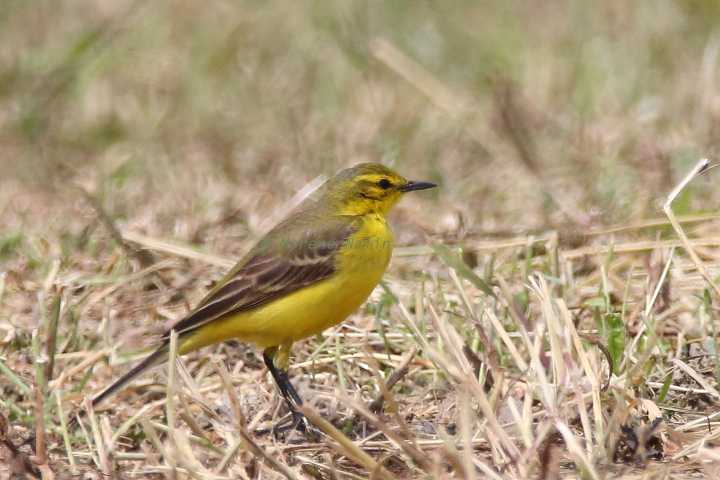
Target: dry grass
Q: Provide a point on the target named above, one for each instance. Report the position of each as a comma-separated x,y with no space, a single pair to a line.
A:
147,145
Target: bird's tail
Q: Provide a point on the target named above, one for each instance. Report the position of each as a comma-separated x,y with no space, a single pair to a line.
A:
155,358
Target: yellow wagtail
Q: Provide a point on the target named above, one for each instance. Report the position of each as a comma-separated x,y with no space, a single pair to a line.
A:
307,274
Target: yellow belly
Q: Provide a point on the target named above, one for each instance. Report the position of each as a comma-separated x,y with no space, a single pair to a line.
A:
359,267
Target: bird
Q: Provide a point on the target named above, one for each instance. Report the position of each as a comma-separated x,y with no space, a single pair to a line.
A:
307,274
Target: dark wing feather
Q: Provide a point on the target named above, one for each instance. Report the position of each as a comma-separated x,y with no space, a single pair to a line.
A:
292,256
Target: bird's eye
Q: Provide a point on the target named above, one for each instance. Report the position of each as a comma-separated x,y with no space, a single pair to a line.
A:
384,184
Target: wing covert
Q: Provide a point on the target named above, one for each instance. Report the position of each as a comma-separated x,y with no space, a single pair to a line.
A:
290,258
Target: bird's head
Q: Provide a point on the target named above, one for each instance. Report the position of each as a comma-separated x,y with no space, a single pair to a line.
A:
369,187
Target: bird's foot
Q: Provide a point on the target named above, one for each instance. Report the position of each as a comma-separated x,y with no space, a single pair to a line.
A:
296,422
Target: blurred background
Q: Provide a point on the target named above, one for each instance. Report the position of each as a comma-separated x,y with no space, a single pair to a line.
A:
181,116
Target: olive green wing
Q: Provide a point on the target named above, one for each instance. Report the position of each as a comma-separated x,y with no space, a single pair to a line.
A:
296,254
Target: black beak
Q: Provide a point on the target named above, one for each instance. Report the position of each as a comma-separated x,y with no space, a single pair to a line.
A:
411,186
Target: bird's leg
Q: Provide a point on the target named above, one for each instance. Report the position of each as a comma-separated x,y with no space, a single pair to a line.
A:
277,360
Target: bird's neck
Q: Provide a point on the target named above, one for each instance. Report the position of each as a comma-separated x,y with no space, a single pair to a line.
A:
360,212
361,207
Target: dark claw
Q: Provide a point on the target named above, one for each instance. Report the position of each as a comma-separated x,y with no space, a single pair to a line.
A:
296,421
299,422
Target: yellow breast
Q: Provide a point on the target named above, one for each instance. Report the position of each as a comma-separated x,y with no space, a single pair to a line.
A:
360,264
